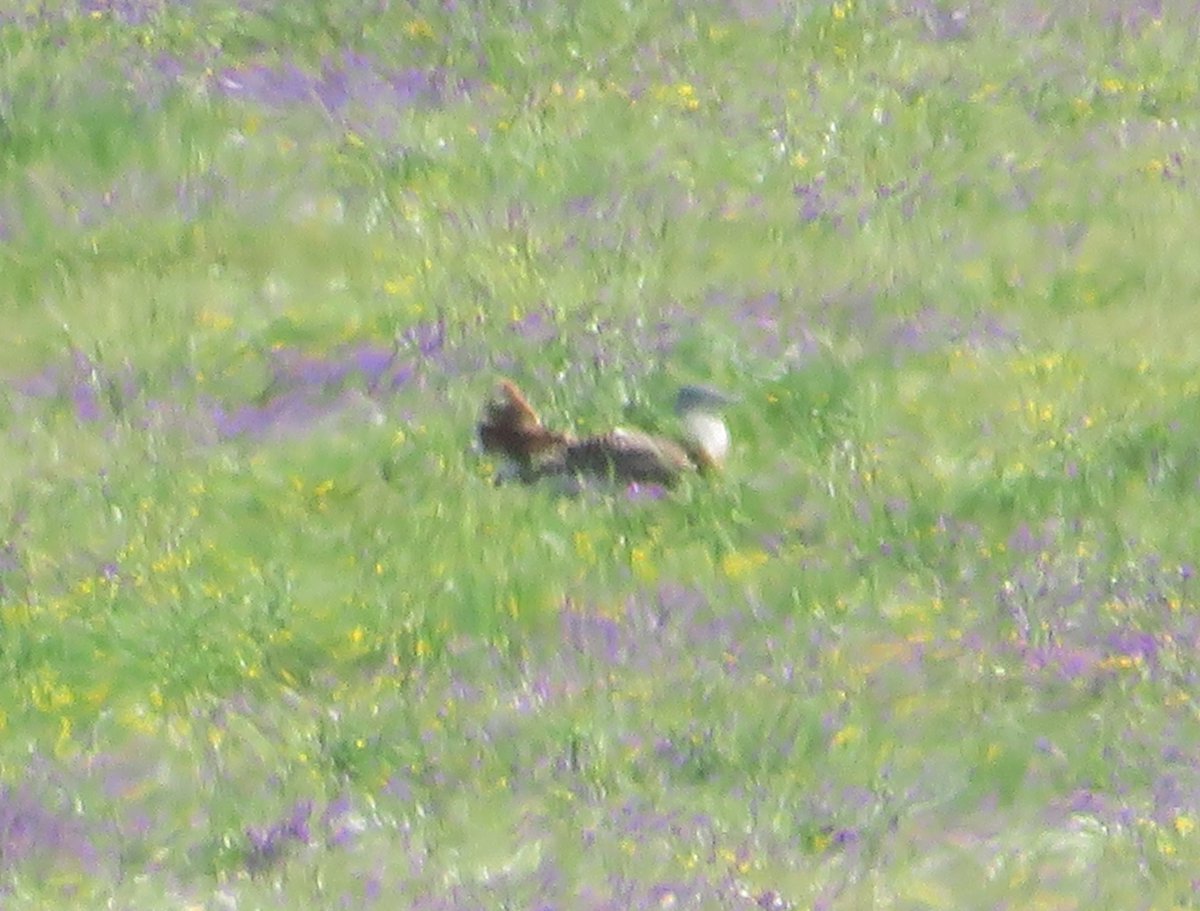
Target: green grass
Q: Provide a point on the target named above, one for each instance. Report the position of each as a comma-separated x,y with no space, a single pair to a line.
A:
271,637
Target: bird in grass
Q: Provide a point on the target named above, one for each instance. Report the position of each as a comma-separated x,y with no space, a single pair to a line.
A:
511,428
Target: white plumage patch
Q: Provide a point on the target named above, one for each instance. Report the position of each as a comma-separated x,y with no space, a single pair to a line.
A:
708,433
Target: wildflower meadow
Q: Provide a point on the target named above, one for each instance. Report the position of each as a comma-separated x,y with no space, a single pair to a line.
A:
271,637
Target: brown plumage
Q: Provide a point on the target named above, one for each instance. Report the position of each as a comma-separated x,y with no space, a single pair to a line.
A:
511,428
629,455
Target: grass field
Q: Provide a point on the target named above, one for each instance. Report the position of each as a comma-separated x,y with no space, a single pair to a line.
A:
271,638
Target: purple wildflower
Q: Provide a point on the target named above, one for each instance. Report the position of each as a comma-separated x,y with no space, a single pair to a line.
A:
267,845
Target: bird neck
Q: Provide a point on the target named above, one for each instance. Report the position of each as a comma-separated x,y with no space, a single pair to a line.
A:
706,437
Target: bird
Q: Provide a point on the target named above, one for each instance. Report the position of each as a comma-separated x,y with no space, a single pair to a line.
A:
511,428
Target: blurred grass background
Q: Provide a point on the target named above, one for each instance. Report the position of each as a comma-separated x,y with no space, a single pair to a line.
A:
269,635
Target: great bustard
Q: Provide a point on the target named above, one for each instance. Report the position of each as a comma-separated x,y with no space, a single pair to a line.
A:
511,428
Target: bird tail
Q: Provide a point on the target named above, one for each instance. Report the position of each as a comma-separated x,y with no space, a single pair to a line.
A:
510,427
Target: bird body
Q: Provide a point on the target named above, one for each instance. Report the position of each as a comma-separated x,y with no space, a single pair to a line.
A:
511,428
629,455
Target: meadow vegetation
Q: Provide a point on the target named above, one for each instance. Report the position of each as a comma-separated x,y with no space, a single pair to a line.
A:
271,638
